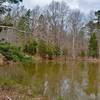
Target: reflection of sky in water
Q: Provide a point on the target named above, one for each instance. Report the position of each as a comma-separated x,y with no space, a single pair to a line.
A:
45,87
72,91
64,87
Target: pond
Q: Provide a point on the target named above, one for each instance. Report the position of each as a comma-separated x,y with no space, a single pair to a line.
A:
51,81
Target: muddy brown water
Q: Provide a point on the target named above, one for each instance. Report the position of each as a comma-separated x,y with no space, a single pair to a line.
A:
52,81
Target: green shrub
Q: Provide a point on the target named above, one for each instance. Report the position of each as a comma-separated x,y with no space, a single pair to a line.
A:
42,48
30,48
12,52
48,50
57,51
82,54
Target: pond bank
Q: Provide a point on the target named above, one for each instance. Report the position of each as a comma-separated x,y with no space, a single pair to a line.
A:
60,59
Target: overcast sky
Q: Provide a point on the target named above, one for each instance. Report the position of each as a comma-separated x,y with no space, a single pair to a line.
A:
83,5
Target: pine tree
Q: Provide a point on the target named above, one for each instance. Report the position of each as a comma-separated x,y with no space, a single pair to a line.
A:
24,25
24,22
93,46
3,8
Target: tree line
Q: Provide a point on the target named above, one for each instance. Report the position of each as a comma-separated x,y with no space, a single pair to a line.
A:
52,30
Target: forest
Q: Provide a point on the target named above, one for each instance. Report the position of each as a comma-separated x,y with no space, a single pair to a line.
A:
49,52
51,31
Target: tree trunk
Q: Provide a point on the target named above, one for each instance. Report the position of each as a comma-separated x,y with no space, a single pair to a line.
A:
73,48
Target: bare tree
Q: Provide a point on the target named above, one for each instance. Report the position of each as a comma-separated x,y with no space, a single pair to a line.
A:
56,16
35,17
75,24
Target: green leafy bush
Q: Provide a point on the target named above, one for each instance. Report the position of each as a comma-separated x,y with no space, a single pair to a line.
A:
31,48
82,54
48,50
12,52
57,51
42,48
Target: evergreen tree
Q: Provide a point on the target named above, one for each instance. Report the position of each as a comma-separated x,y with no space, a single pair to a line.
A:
93,46
24,22
97,14
4,8
8,20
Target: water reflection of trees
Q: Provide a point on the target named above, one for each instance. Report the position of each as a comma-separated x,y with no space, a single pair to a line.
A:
70,88
67,82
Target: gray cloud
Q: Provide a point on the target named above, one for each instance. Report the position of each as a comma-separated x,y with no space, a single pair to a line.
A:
83,5
87,5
